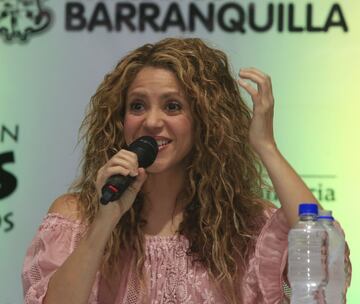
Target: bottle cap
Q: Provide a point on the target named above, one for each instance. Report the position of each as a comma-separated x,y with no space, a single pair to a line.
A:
308,209
325,214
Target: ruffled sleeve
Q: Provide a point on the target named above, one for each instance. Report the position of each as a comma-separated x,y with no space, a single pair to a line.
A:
54,241
271,257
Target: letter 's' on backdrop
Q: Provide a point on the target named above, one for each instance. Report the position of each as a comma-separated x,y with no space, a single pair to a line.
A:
54,54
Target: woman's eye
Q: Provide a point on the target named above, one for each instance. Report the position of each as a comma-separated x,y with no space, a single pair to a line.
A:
136,106
173,106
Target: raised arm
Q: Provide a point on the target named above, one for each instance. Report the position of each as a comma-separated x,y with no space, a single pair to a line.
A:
289,187
73,280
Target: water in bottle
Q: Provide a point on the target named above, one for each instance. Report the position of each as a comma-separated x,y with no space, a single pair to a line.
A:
307,272
335,288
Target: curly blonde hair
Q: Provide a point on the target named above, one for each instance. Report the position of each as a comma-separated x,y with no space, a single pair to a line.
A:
223,183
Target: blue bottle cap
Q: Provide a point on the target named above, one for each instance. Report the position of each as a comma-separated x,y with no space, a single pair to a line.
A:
308,209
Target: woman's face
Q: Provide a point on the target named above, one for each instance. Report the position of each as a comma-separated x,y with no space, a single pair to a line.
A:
156,106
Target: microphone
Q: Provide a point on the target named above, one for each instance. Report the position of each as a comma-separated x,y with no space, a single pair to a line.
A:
146,149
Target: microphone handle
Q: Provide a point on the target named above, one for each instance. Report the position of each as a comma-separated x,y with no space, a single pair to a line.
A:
115,187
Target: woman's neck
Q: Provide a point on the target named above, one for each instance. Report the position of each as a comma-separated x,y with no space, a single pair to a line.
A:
162,209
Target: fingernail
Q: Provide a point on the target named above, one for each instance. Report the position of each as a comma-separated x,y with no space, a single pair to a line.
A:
134,173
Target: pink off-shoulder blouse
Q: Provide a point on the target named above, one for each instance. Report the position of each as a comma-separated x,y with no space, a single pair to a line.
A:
173,278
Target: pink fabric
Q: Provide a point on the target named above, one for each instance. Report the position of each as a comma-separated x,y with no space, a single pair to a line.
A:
55,239
173,278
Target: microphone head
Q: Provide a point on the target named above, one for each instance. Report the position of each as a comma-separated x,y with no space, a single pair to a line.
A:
146,149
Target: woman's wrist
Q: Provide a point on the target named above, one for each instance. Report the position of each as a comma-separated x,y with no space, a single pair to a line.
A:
266,150
108,215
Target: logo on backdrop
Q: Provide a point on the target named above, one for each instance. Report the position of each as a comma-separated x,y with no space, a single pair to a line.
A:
20,19
226,16
8,180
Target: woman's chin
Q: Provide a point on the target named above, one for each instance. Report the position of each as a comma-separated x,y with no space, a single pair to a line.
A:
165,166
156,168
160,167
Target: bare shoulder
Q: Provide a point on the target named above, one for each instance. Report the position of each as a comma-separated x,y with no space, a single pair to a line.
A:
67,205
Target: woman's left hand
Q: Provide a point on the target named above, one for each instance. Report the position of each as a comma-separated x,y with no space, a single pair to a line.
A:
261,133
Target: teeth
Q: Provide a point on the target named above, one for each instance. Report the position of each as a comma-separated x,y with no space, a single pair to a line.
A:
162,142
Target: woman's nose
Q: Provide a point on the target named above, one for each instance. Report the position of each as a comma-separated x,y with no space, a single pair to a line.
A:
154,119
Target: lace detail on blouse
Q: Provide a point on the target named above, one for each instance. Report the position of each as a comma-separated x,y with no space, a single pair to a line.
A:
172,276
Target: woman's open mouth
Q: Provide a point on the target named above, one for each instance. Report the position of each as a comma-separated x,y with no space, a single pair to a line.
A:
162,144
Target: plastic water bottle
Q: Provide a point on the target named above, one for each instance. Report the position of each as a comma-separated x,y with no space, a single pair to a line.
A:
335,289
307,263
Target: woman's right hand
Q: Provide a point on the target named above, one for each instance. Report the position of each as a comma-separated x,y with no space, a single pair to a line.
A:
124,163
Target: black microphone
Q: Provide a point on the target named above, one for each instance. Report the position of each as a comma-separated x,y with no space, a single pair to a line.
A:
146,149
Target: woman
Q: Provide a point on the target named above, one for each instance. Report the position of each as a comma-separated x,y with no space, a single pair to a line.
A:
192,228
